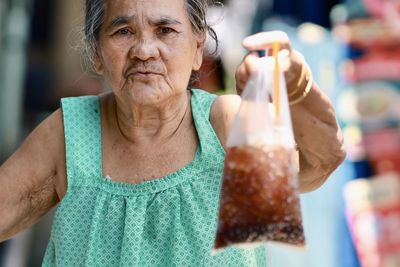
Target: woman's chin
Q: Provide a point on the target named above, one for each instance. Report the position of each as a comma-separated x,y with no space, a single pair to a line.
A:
144,94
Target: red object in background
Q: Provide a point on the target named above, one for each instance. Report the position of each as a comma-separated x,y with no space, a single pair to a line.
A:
383,150
381,8
373,212
374,65
368,33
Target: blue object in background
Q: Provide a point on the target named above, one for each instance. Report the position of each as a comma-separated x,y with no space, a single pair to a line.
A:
2,252
347,253
315,11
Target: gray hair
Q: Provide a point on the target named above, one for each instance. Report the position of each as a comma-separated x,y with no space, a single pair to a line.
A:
95,9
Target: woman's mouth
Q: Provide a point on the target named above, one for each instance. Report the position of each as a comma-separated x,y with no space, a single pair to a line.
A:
143,74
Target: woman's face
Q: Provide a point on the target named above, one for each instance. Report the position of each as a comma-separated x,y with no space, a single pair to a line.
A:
148,49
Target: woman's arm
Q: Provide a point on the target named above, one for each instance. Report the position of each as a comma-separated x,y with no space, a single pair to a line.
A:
318,138
33,179
316,130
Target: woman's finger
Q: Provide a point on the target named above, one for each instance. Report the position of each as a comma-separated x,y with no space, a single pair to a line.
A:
265,41
245,69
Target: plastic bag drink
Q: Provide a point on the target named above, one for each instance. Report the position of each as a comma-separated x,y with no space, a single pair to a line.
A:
259,197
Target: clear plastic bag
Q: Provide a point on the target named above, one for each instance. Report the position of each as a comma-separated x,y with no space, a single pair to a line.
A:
259,197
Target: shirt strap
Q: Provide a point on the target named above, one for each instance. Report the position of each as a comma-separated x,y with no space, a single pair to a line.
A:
82,126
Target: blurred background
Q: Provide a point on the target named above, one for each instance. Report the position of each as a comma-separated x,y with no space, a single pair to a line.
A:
353,49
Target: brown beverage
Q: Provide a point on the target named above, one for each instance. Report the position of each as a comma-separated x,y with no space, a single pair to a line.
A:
259,198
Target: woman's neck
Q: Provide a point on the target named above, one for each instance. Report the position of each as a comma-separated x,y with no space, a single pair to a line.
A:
143,125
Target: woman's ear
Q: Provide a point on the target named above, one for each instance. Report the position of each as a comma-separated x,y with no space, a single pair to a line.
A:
198,57
98,65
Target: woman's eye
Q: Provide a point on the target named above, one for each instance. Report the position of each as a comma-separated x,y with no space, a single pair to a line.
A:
123,32
166,30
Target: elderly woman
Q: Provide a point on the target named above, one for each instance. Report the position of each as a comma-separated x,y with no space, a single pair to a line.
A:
137,171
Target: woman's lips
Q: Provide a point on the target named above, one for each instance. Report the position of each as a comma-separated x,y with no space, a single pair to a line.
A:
144,74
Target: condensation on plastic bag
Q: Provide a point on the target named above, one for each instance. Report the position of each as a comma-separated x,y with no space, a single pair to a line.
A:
259,197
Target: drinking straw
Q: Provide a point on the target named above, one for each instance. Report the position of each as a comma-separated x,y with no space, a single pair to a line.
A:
276,48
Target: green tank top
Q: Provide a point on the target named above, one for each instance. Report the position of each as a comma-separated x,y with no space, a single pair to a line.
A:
169,221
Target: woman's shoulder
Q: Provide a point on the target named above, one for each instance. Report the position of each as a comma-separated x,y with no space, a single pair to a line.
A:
222,114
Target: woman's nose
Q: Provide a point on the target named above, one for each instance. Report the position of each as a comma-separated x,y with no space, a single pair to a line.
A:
144,49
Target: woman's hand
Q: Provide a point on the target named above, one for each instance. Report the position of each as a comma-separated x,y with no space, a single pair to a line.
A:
291,61
317,133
